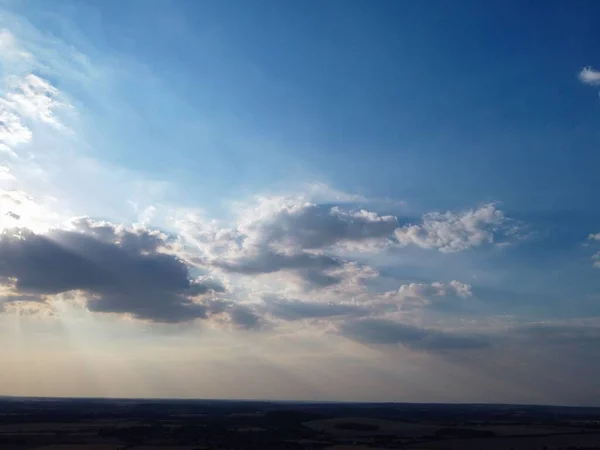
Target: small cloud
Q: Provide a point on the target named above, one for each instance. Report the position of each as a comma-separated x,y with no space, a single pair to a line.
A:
462,289
13,215
596,256
589,76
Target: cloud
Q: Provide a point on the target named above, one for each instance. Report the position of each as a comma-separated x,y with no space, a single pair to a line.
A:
435,288
314,241
286,234
243,317
589,76
462,289
118,270
454,232
412,299
306,226
27,98
13,215
596,256
293,309
559,333
377,331
35,98
12,130
269,262
10,50
48,139
388,332
352,300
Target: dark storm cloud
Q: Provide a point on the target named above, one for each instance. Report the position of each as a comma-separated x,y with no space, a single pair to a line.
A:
119,270
388,332
298,310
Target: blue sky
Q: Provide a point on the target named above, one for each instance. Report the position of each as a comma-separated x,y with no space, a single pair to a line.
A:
354,182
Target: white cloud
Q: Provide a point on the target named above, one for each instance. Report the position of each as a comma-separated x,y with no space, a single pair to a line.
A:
290,224
27,100
289,234
35,98
454,232
290,242
589,76
595,256
12,130
46,137
462,289
425,292
421,290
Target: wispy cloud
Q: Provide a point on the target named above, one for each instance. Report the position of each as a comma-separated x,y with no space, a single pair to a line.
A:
27,100
12,51
35,98
12,130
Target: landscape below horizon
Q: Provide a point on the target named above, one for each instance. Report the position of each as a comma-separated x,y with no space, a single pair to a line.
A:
126,424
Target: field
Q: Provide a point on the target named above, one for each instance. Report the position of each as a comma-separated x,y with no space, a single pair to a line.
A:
374,426
521,443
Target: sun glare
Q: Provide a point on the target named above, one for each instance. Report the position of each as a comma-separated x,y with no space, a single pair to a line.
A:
19,210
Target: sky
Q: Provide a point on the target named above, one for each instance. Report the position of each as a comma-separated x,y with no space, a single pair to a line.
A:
341,200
